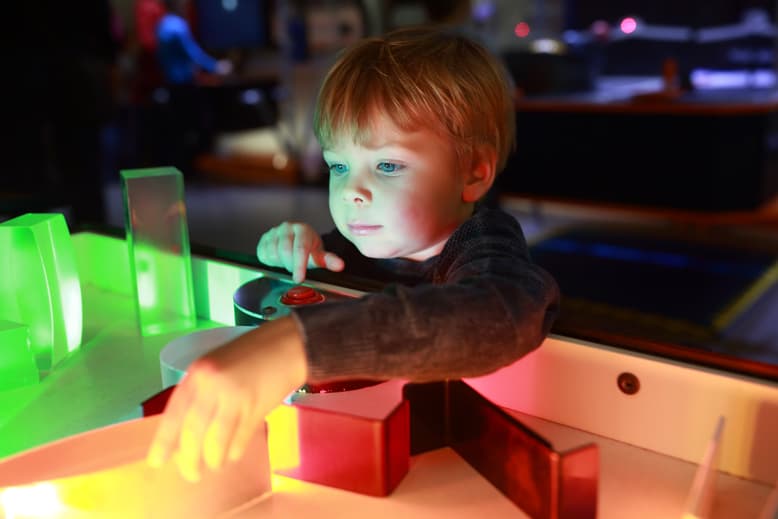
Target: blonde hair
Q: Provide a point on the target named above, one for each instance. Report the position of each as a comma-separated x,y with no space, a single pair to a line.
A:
420,77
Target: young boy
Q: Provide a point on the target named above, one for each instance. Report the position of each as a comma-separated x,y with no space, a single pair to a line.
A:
414,126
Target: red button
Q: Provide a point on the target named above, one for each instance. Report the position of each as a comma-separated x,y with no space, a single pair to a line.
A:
301,295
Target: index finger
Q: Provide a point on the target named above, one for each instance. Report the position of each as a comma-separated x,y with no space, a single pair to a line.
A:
169,430
328,260
301,250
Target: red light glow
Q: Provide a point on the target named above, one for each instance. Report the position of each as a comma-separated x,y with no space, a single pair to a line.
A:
521,30
628,25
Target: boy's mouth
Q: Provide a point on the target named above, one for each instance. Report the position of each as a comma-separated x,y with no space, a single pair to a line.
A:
361,229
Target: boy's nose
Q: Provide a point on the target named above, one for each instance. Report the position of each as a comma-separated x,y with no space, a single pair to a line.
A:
356,192
358,197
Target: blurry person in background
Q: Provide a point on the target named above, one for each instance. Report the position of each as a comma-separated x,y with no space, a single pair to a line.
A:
145,79
62,95
179,54
182,60
148,14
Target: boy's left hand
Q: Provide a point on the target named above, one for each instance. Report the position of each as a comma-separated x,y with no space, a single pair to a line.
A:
225,396
296,246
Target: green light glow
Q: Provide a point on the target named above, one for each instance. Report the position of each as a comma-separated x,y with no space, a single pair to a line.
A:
17,363
39,286
215,286
116,368
103,262
158,244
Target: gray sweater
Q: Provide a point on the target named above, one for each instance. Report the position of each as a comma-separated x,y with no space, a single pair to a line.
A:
476,307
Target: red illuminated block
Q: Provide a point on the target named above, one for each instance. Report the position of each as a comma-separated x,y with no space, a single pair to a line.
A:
356,440
352,453
524,466
156,404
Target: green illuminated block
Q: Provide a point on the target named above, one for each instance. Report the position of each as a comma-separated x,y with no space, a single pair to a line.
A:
39,284
158,242
17,362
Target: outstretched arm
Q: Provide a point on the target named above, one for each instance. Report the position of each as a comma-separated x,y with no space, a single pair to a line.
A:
195,52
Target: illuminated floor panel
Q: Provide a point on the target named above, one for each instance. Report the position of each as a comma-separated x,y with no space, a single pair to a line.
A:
103,473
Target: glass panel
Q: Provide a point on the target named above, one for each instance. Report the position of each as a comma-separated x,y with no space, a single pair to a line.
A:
39,286
158,242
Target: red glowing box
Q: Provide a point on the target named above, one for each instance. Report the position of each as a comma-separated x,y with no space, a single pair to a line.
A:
355,440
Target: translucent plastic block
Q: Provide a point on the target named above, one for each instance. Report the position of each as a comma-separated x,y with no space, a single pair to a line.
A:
17,363
39,284
158,243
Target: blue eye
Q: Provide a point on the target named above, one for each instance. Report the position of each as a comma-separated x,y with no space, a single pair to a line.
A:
389,167
338,169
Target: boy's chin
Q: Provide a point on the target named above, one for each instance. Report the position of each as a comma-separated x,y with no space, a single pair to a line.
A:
375,251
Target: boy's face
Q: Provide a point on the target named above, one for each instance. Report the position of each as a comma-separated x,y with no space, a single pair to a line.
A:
398,195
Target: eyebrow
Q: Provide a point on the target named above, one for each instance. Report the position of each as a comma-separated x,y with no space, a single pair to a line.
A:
397,141
408,145
385,144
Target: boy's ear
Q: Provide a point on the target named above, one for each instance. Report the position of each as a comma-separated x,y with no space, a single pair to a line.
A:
480,176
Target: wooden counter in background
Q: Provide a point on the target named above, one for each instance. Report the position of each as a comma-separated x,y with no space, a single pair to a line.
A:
702,151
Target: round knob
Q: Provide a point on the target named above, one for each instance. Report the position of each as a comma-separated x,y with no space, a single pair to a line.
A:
301,295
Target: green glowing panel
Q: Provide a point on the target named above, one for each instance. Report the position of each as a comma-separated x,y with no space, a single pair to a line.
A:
17,363
39,285
215,284
158,243
103,262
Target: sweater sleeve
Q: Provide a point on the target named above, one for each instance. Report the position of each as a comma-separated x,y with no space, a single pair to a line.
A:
487,306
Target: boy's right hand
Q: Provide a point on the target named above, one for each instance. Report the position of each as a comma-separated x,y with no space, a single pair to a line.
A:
296,247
